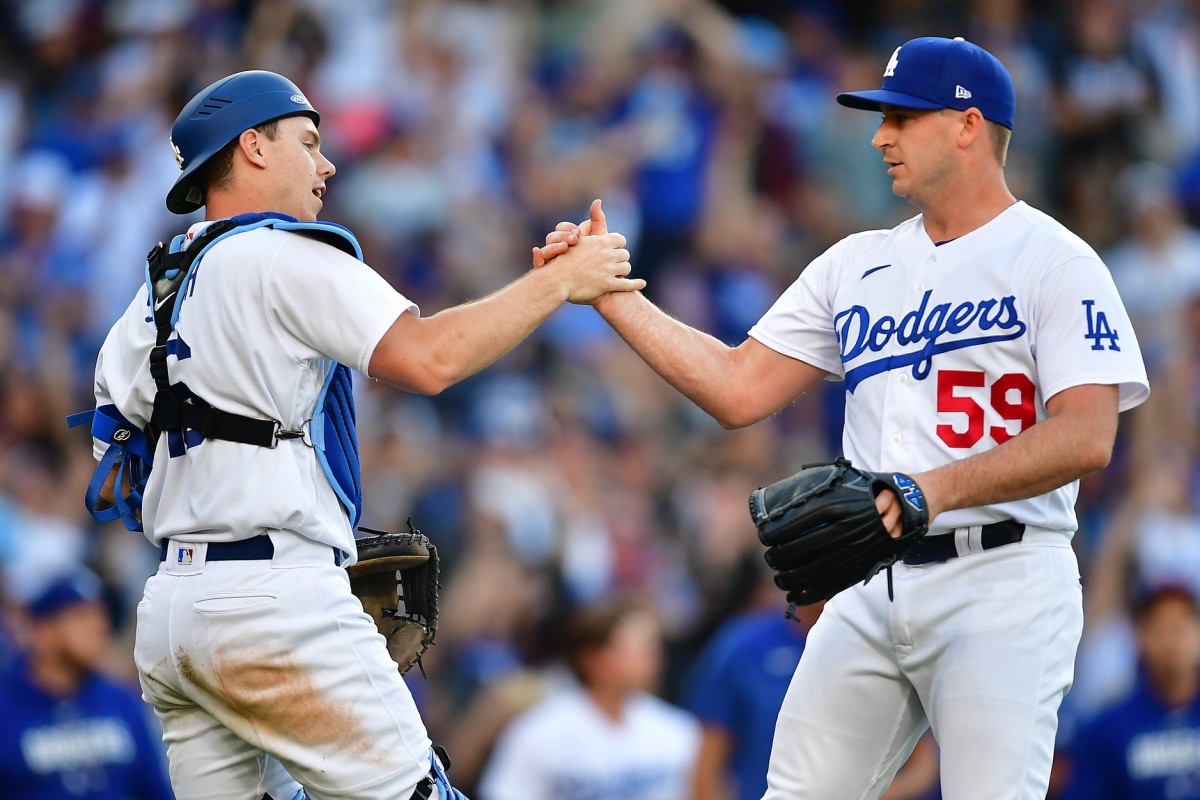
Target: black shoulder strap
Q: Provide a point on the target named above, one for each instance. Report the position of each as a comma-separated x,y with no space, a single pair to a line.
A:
180,410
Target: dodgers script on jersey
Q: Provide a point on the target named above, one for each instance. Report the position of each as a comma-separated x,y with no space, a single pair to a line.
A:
952,349
333,304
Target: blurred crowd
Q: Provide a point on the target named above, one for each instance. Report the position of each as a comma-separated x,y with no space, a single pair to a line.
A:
568,475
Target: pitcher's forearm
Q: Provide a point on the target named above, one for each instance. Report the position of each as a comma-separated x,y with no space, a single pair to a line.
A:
695,363
1076,439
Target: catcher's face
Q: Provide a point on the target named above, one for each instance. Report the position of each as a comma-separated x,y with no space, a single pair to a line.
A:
297,168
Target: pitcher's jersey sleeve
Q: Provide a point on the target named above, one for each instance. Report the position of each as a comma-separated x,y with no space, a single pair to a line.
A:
801,322
1083,333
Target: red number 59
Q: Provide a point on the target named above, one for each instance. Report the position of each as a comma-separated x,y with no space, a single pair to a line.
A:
1020,409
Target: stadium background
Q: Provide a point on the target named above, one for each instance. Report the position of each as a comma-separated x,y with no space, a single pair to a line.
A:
462,132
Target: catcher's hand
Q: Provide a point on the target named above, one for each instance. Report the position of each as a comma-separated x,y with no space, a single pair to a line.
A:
396,578
824,533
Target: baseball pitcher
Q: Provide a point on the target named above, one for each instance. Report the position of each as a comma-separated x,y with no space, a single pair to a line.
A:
985,355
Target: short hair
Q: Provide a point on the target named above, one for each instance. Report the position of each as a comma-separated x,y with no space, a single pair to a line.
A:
1000,136
1146,598
593,626
218,170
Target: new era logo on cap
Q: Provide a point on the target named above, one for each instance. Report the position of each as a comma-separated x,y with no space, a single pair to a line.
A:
932,72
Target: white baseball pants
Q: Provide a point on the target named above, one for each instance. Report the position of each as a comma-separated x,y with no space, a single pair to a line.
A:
981,648
245,659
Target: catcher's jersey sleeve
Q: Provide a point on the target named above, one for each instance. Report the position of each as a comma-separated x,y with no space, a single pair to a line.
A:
123,366
333,303
950,349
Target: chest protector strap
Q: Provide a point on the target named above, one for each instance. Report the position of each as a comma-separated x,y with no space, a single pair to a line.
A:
188,419
129,451
176,408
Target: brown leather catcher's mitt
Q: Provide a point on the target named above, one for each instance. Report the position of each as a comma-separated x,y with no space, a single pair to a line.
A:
396,578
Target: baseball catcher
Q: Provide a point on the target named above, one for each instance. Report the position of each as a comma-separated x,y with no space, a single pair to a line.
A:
823,532
396,579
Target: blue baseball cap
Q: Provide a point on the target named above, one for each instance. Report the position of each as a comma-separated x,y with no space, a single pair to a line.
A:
932,72
66,590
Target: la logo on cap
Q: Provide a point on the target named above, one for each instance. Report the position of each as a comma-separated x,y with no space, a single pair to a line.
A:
890,69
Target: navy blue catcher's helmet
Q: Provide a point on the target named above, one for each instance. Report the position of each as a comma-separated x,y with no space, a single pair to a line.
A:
218,115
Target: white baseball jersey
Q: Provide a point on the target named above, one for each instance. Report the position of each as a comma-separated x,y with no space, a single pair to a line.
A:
951,350
268,311
566,748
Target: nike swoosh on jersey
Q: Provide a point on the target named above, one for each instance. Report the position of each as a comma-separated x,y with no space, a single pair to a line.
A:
875,269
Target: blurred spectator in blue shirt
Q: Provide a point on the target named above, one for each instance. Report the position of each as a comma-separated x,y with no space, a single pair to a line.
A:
1146,746
66,731
736,687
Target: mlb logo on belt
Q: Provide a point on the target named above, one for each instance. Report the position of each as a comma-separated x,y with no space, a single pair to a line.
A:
184,555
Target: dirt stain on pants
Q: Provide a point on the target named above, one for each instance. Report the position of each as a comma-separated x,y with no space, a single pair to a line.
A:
280,701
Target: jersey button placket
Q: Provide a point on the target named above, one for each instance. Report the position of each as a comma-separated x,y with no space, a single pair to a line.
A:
895,403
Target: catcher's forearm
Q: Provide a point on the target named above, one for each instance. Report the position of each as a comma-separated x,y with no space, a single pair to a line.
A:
429,354
1076,439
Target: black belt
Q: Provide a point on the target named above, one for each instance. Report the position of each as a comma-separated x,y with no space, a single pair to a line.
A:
256,548
941,547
